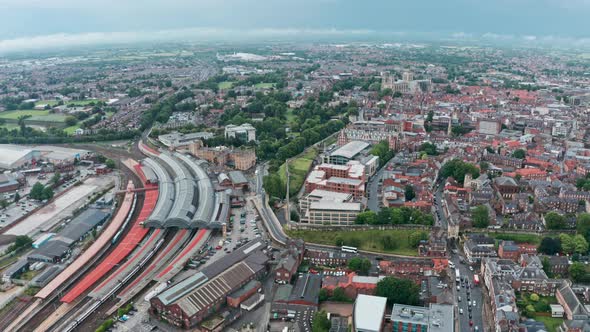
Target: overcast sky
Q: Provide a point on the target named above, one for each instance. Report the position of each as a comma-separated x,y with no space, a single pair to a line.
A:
94,20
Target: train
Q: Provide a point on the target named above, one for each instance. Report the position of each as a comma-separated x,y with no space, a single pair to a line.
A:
78,320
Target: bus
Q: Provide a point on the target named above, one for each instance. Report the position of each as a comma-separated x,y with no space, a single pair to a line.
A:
349,249
476,279
457,275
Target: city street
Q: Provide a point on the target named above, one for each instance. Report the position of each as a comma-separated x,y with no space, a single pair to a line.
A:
467,295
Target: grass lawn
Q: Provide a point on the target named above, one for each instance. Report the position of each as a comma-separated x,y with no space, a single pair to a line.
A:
13,115
551,323
541,306
364,240
264,85
42,115
298,169
291,118
225,85
518,238
10,126
71,129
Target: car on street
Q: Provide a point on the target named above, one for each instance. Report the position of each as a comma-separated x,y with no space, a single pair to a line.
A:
461,311
474,303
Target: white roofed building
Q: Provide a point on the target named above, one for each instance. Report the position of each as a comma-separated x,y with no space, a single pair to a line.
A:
369,313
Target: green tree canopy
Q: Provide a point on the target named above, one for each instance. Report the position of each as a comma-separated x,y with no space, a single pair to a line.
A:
458,169
554,220
409,192
549,246
583,225
520,154
320,322
359,265
577,271
37,191
402,291
481,217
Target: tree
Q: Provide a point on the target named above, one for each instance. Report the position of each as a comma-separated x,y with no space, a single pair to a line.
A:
359,265
402,291
554,220
37,191
339,295
580,244
520,154
577,271
567,243
4,203
429,148
110,163
458,169
480,217
320,322
273,185
16,197
416,237
22,124
384,216
534,297
409,192
323,295
71,121
55,178
549,246
583,225
366,218
47,193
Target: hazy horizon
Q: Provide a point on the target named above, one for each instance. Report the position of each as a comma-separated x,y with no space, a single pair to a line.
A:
37,24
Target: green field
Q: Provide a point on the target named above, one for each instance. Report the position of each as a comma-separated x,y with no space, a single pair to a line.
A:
43,115
298,168
365,240
71,129
291,118
10,126
53,102
264,85
550,323
225,85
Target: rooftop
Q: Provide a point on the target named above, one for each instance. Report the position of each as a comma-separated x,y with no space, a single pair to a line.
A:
351,149
369,312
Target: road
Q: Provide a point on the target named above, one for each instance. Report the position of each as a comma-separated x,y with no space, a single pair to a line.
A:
467,295
373,188
441,219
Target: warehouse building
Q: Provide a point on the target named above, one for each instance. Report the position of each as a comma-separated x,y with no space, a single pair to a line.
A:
190,301
14,156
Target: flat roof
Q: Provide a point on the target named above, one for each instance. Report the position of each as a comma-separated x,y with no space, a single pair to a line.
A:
83,223
330,195
334,206
350,149
369,312
9,154
354,182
